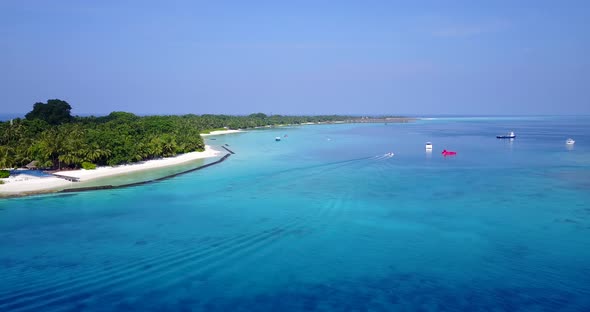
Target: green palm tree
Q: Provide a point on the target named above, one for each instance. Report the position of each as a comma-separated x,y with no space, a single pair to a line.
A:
94,153
50,146
6,157
155,148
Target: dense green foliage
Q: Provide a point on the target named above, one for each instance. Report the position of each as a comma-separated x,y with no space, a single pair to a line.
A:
118,138
88,165
4,174
55,112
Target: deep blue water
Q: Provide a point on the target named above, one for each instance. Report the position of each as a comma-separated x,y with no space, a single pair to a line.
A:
321,221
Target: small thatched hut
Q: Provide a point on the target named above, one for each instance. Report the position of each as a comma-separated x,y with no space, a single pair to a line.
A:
32,165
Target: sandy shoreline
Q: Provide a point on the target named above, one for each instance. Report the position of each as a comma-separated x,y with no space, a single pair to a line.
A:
218,132
25,184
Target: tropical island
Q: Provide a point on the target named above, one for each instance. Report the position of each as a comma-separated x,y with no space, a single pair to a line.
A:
51,139
50,136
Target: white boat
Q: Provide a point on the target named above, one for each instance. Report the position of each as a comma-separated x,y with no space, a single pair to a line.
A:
428,146
570,141
277,139
511,135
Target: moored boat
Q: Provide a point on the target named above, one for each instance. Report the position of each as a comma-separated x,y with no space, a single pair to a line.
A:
277,139
428,146
511,135
570,141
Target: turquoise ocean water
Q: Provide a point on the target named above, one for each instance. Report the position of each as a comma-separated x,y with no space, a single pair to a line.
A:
321,221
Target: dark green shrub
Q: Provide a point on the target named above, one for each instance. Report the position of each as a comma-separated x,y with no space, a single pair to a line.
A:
4,174
88,165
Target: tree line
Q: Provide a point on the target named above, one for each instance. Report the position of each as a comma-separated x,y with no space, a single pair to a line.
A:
54,139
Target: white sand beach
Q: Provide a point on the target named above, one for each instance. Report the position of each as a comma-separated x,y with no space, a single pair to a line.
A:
218,132
23,184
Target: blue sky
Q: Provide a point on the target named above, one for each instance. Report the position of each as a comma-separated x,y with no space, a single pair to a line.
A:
297,57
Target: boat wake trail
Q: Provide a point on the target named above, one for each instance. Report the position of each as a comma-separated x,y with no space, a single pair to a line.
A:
384,156
323,165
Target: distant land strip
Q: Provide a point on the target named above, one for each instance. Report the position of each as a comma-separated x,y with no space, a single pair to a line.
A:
381,120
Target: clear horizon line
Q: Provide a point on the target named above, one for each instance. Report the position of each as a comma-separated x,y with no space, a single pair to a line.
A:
18,115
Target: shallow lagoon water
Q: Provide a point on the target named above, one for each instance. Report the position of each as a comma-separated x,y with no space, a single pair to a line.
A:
322,221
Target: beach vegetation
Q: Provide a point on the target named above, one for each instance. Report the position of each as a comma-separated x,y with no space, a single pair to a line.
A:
54,112
88,165
4,174
56,140
208,131
258,115
7,157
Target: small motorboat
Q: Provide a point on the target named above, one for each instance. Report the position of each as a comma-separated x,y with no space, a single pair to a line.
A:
511,135
570,141
428,146
448,153
277,139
